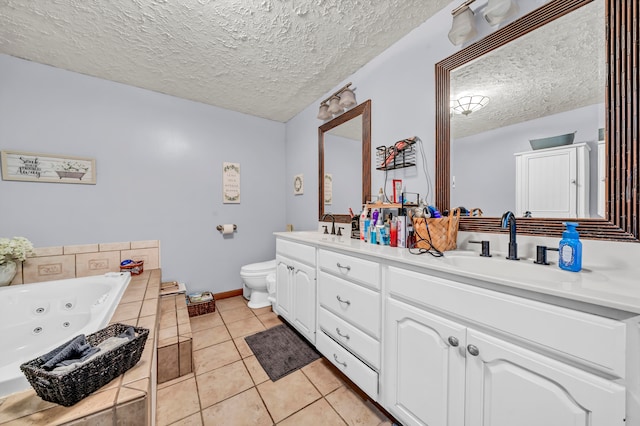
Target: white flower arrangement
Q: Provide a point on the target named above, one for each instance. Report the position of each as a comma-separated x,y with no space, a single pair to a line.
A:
71,166
17,248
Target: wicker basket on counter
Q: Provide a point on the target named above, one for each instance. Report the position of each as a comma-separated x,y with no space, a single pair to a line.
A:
68,388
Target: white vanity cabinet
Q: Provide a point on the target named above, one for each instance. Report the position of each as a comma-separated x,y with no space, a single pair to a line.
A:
296,286
459,355
553,182
350,317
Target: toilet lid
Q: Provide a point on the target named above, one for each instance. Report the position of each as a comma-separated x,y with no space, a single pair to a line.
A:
260,267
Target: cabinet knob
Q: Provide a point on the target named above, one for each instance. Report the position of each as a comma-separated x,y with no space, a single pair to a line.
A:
346,302
473,350
453,341
348,268
335,357
291,268
344,336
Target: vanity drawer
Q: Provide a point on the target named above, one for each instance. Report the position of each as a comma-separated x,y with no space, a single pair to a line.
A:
301,252
362,345
352,268
351,302
590,339
352,367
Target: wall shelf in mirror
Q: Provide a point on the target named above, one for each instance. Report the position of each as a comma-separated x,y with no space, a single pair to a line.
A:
621,104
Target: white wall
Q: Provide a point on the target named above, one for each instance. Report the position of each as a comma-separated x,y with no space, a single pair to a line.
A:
159,172
486,160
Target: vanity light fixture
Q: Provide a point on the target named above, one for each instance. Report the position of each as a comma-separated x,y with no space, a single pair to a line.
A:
347,98
337,102
468,104
463,28
497,11
324,113
334,106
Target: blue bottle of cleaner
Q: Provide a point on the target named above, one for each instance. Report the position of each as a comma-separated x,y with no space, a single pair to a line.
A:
570,250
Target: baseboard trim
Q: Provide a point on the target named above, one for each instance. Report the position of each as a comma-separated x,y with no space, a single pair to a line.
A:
227,294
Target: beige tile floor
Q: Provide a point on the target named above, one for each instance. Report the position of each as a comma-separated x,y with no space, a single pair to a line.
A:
229,387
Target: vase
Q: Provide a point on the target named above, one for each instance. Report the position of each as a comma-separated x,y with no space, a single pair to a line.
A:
7,272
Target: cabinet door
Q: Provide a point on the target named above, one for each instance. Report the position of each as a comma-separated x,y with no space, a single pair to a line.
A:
304,296
547,183
424,367
283,288
508,385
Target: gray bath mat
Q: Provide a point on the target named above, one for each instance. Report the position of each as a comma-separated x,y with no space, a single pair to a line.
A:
280,350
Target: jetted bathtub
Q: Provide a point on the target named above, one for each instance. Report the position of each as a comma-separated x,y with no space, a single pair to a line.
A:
35,318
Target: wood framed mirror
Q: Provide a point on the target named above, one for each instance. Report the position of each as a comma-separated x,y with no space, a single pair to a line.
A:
350,135
621,220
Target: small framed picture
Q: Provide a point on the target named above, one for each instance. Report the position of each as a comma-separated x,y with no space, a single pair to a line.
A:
397,191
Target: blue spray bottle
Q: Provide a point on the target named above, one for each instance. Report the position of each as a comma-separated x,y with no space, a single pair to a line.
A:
570,250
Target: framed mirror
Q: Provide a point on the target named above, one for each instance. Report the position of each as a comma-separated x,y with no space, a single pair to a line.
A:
617,218
344,163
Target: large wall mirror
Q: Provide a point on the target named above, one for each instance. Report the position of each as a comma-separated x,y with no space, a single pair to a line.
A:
565,68
344,155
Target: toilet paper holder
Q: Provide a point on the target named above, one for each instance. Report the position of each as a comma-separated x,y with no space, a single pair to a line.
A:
221,227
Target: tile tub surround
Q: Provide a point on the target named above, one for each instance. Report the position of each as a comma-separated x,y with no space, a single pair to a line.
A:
127,399
61,262
175,355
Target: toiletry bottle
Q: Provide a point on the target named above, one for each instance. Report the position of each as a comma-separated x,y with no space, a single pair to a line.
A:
380,234
367,222
402,231
570,249
374,217
380,196
393,233
363,217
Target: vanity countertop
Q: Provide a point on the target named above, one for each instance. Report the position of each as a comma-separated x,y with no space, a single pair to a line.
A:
601,286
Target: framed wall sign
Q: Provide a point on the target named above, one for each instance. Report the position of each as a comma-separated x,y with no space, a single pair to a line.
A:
328,188
33,167
231,183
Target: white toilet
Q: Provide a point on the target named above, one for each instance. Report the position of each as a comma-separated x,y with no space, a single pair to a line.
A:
258,280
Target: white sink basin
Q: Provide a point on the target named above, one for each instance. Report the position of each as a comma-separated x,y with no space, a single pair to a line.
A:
521,270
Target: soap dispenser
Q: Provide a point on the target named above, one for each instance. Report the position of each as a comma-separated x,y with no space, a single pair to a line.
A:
570,249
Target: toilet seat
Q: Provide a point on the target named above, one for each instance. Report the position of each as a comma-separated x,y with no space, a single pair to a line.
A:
261,268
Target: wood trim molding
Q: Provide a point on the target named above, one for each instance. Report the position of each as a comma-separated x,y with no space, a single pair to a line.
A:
363,109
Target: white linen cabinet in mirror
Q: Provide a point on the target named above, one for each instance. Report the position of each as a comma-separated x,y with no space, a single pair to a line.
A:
553,182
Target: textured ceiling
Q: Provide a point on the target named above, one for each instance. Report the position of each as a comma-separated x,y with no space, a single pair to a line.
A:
556,68
268,58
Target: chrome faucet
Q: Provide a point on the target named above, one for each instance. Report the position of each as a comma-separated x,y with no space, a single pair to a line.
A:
333,222
509,221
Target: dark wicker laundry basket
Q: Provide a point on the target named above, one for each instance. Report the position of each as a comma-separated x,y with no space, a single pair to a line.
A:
70,387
